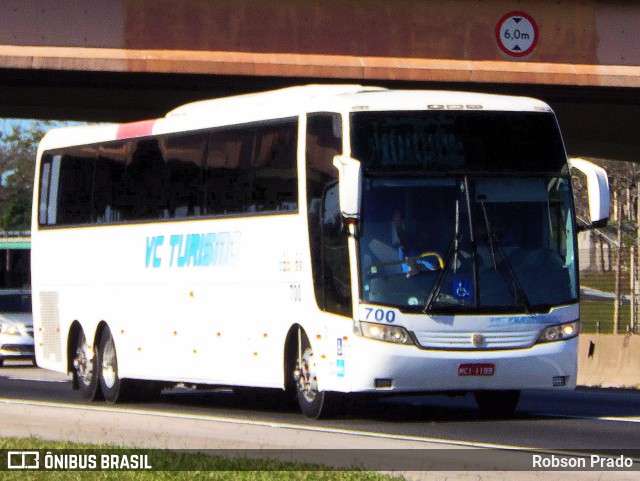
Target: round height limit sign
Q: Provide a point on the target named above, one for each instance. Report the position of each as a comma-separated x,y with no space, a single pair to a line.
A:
517,34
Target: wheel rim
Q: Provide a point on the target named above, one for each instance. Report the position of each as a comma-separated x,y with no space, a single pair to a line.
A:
308,381
109,364
83,362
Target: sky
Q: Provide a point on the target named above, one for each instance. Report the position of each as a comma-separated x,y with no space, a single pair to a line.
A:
6,128
7,125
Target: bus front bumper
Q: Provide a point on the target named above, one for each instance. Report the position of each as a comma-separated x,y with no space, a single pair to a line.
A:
375,366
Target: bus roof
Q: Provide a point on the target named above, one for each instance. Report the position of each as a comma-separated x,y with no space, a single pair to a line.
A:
340,98
287,102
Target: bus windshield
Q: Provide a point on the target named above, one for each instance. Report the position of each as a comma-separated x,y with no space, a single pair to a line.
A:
458,218
468,243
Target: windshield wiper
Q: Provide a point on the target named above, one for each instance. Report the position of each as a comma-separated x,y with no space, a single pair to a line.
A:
504,267
450,259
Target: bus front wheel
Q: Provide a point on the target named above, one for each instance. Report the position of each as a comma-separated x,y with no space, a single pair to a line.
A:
314,404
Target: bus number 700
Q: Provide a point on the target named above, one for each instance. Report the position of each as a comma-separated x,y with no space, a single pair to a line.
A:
380,315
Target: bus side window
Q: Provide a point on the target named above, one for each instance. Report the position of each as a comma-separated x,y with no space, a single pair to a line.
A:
45,190
323,143
335,255
75,186
273,165
184,155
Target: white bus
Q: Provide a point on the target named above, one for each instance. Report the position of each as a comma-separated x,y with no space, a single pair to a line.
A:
318,241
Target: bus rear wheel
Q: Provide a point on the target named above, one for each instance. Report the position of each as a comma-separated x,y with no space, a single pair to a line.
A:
113,388
497,404
85,374
314,404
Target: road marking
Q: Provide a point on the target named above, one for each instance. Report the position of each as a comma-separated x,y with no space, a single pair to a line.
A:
330,430
626,419
35,379
270,424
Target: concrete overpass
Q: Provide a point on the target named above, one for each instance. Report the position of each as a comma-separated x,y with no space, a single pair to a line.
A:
126,60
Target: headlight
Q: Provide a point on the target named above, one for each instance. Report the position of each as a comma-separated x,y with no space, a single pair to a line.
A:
385,332
9,329
560,332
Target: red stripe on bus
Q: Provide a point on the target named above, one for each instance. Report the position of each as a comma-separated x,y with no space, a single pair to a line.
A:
135,129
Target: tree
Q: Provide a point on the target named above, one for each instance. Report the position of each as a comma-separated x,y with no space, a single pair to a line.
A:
622,235
17,160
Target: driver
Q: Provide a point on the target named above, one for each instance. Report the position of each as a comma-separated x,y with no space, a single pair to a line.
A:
410,248
398,234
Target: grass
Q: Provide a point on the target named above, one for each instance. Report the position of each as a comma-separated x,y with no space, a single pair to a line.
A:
200,466
594,311
606,281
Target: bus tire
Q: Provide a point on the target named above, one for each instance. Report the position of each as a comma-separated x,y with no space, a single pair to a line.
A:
85,373
313,403
113,388
497,404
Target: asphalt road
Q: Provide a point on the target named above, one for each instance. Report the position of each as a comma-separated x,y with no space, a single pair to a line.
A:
582,421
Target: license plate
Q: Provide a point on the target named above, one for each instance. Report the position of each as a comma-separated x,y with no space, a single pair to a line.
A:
476,369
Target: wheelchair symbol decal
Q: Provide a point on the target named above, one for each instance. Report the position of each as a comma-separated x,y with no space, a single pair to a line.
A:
462,289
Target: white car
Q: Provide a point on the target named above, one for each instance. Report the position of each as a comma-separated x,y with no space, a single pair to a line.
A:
16,325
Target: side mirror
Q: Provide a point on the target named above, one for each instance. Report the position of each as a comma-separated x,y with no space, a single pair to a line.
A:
597,191
349,181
